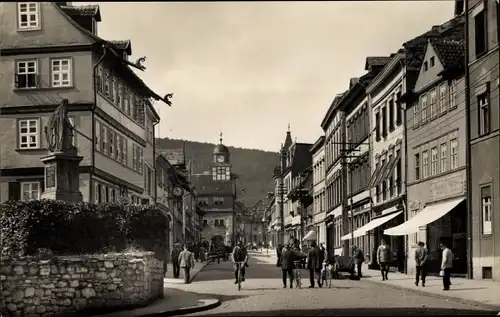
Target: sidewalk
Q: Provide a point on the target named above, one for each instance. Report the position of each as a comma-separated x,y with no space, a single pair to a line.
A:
469,291
169,276
175,301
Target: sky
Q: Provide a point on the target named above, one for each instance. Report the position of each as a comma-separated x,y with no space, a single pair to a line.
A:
249,69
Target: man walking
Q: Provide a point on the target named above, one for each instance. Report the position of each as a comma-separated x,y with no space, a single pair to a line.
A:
384,258
174,256
288,257
420,263
186,262
315,260
359,258
446,266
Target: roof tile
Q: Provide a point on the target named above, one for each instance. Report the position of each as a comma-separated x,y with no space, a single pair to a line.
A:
85,10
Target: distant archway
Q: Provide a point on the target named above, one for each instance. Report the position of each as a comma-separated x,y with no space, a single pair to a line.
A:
217,240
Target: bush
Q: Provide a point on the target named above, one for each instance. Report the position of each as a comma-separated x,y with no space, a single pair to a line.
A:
69,228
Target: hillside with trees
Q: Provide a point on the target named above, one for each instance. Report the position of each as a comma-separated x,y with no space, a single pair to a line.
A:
254,167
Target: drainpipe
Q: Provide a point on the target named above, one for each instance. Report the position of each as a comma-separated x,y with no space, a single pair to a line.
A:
468,147
154,161
405,198
94,106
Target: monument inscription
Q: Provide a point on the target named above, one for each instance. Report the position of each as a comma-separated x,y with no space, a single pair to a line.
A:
50,176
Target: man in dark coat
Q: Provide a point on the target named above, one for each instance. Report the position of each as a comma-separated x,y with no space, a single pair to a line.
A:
175,259
359,258
315,260
288,256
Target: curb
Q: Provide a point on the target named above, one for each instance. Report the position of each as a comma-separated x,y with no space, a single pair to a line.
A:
213,303
440,296
196,274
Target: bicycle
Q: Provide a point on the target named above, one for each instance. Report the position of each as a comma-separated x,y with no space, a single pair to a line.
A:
296,274
240,267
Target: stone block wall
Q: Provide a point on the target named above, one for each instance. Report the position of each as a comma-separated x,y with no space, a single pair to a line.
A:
34,287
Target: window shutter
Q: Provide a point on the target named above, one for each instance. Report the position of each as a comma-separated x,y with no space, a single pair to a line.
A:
14,191
16,80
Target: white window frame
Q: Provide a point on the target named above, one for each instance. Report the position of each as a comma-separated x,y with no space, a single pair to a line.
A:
111,141
423,108
32,12
443,159
32,192
98,135
118,147
433,102
28,134
96,192
124,150
57,83
486,217
434,160
442,98
27,64
141,160
452,90
453,154
425,164
484,113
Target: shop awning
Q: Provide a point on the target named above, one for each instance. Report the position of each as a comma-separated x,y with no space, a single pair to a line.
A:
375,174
390,167
362,231
311,235
427,215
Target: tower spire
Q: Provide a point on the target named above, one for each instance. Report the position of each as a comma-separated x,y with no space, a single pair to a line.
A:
220,137
288,129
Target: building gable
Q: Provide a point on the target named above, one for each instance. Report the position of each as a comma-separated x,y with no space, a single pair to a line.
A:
54,28
430,68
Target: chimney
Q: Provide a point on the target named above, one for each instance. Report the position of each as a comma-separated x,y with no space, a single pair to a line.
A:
459,7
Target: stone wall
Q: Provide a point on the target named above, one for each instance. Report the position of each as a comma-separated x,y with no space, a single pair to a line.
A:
34,287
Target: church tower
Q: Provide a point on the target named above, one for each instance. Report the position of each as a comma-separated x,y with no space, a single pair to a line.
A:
221,167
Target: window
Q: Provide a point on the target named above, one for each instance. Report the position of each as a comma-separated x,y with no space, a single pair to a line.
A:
30,190
426,66
432,61
26,74
218,200
391,114
118,147
442,99
486,209
444,157
28,134
433,103
399,180
425,164
124,150
377,125
417,166
61,72
97,192
453,154
384,121
423,102
98,136
28,15
104,135
416,114
399,110
484,113
119,96
434,161
205,222
107,83
111,143
480,33
203,201
453,101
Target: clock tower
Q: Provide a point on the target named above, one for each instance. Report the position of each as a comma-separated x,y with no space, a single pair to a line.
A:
221,168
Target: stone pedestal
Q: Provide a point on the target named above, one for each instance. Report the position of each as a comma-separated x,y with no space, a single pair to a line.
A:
62,177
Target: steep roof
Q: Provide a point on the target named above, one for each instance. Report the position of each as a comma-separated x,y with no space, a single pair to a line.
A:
85,10
206,186
124,45
333,106
376,61
288,140
451,53
302,158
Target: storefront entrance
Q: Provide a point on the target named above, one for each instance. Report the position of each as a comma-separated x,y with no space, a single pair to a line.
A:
396,243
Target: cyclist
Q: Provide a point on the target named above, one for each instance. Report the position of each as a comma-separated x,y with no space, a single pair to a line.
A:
239,255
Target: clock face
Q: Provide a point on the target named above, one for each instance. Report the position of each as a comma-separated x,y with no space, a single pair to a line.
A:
220,158
177,191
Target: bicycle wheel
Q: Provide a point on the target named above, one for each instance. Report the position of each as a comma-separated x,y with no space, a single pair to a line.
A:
239,278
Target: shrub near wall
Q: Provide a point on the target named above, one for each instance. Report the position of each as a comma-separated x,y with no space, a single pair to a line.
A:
73,228
32,287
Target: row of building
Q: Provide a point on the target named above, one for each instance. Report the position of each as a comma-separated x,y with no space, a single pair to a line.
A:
51,51
410,153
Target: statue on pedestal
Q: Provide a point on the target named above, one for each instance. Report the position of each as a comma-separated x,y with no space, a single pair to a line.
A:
62,164
59,130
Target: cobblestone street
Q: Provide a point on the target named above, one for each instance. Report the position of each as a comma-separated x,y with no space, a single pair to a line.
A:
263,295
